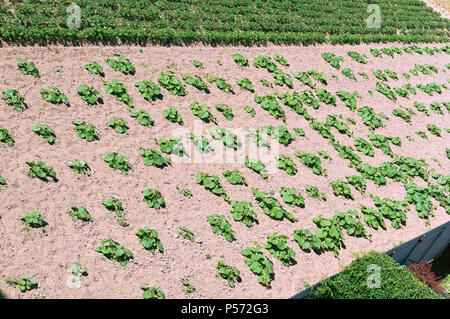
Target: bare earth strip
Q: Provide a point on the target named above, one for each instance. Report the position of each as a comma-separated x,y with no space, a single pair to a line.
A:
37,254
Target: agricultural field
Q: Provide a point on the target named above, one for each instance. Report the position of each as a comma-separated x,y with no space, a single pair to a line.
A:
199,171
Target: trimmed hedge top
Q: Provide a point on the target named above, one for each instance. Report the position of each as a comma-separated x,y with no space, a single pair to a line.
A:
396,281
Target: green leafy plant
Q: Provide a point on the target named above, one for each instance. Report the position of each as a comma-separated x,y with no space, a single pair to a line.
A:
240,59
370,118
373,217
348,99
188,287
307,240
221,226
149,239
281,78
198,64
402,114
14,99
420,197
94,68
329,233
271,206
235,177
242,212
89,94
211,183
116,88
28,68
324,96
119,125
357,182
149,90
142,117
332,59
250,110
277,246
33,219
349,73
226,111
280,59
364,147
154,157
85,131
341,188
77,270
245,84
265,62
229,273
357,57
266,83
172,146
257,166
114,251
152,293
53,95
186,234
349,221
314,192
422,134
201,144
39,170
270,104
221,84
114,205
292,197
172,115
116,161
45,131
80,213
196,82
79,167
318,76
392,210
286,163
5,137
121,64
312,161
259,264
299,131
2,180
433,129
153,198
203,112
23,283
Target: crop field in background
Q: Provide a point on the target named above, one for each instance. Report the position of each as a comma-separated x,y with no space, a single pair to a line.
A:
221,21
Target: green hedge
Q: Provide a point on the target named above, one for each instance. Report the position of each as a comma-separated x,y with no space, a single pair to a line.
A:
396,282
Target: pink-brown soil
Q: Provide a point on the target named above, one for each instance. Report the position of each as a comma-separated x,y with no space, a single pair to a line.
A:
36,254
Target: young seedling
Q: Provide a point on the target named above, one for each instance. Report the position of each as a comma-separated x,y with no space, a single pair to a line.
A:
154,157
153,198
114,205
121,64
94,68
149,90
235,177
240,60
53,96
14,99
116,88
172,115
85,131
226,111
80,213
33,219
229,273
119,125
28,68
116,161
5,137
259,264
292,197
188,287
152,293
203,112
23,283
114,251
221,226
79,167
186,234
242,212
149,239
313,191
89,94
142,117
277,246
39,170
45,131
170,82
250,110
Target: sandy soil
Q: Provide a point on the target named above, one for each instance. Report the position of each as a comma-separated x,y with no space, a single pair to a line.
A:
441,6
37,254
